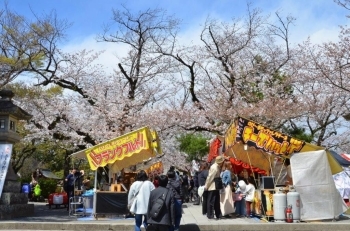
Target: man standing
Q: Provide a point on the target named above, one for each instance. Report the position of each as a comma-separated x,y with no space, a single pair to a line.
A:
176,188
71,180
195,189
165,218
185,187
213,201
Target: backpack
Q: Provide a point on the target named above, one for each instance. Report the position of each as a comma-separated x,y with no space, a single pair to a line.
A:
158,205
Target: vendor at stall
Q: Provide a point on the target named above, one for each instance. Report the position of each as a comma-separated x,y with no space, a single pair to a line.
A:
289,179
73,180
86,184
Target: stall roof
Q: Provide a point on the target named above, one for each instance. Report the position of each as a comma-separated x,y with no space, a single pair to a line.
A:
48,174
123,151
341,160
253,143
79,155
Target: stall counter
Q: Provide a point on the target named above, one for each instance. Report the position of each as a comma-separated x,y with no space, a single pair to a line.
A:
111,203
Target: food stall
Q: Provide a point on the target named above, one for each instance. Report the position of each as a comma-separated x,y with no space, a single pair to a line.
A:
118,153
262,152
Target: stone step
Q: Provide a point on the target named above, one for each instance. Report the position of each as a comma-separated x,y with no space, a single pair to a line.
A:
10,198
17,210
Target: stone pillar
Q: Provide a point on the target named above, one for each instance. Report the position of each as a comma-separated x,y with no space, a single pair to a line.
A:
13,203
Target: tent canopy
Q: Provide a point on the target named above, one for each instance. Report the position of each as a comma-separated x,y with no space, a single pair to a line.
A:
123,151
48,174
341,160
257,145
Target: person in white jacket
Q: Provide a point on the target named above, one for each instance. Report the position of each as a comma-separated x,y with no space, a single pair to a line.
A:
142,188
249,195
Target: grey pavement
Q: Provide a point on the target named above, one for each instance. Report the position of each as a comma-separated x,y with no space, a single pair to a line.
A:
192,220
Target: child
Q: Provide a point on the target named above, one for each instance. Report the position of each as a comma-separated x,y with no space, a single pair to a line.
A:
240,204
249,195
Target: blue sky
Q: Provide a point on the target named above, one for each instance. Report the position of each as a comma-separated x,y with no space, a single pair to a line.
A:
88,16
319,19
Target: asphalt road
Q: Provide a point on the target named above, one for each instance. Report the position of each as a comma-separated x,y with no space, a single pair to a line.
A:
58,219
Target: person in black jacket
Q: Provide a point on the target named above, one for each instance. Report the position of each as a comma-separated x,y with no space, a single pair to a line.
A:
175,186
202,177
166,217
185,188
195,189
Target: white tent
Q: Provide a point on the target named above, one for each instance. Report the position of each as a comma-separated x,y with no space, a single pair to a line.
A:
313,179
342,183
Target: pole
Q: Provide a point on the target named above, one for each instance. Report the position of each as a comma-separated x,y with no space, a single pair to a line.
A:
95,196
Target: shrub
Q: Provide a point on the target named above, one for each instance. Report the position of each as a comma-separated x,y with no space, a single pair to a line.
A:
47,186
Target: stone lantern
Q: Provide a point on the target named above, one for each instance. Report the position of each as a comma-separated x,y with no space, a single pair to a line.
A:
13,203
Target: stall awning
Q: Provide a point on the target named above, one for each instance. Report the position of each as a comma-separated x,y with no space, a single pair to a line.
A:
264,144
48,174
123,151
340,158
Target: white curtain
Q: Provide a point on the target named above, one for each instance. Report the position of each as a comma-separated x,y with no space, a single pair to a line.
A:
313,179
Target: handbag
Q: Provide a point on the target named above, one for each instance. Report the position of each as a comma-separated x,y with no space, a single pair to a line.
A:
132,202
218,183
200,190
237,196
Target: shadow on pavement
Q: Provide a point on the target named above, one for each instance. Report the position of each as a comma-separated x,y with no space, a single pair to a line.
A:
42,213
189,227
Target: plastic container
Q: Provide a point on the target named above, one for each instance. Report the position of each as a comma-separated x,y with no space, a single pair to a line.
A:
57,199
88,202
26,188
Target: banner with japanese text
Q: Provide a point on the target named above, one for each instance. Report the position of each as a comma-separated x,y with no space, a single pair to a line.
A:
270,141
124,150
5,157
252,143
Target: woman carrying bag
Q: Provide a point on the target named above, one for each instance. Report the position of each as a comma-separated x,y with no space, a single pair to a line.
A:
226,200
138,198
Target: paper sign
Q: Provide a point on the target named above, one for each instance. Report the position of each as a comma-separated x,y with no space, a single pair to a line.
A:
5,157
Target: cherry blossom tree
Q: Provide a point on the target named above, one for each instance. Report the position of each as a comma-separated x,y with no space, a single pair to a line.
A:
323,90
243,67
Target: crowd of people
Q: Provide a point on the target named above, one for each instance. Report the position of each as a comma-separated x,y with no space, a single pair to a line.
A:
225,195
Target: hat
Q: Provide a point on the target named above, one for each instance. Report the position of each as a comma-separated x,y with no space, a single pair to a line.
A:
242,185
219,159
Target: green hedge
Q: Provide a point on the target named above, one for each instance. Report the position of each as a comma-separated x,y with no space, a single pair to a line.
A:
47,187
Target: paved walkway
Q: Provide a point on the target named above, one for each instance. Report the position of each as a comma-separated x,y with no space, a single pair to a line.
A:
192,220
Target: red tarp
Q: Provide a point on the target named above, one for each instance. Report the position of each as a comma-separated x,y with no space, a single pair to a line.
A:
214,149
237,165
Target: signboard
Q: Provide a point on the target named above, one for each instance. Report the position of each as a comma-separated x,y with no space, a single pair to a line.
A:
137,144
262,141
261,137
5,157
156,168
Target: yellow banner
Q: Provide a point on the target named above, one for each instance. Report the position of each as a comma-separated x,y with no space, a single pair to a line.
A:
156,142
119,149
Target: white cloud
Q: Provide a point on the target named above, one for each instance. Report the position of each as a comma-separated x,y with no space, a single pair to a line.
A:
111,51
325,35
